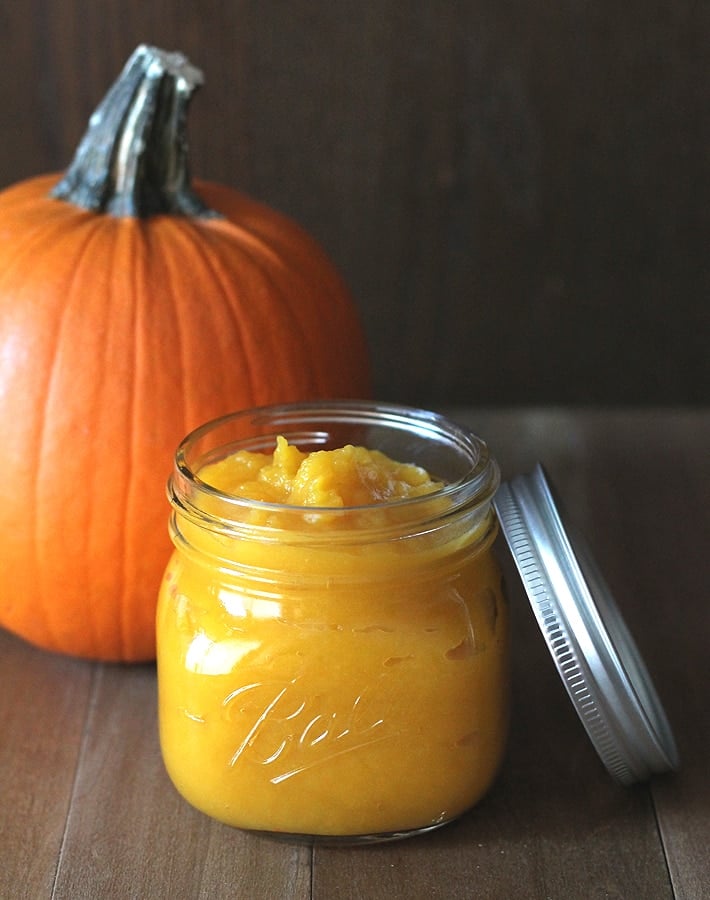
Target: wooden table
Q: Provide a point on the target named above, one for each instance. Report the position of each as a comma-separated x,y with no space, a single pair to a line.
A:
86,810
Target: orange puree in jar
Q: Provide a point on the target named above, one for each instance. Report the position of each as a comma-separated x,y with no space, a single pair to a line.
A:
332,659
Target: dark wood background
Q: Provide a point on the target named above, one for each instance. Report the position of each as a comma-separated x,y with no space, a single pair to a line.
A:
516,192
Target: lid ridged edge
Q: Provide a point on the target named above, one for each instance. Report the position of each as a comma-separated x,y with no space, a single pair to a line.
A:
589,643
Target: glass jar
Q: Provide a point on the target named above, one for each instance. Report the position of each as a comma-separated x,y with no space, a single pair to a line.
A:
334,673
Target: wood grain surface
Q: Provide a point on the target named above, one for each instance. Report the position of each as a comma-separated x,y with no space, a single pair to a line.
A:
516,193
87,811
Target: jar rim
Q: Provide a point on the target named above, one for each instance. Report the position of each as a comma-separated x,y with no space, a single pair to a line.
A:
475,485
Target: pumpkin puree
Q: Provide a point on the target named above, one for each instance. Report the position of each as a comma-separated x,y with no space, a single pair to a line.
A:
362,688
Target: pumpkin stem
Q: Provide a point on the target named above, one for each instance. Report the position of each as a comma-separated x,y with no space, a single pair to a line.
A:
132,160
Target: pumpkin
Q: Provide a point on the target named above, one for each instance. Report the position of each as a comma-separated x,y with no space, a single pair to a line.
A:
135,304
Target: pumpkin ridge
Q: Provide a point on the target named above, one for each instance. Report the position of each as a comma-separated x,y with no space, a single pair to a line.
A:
168,272
47,593
239,234
254,350
299,257
192,234
125,606
43,233
97,233
308,338
265,268
253,217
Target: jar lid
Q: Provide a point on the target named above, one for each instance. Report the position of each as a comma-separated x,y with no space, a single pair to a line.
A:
591,646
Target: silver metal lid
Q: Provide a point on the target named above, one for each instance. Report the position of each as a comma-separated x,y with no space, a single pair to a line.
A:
593,650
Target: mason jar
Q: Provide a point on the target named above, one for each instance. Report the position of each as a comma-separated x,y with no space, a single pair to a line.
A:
334,673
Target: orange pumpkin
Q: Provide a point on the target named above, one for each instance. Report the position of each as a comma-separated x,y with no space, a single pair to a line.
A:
132,309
